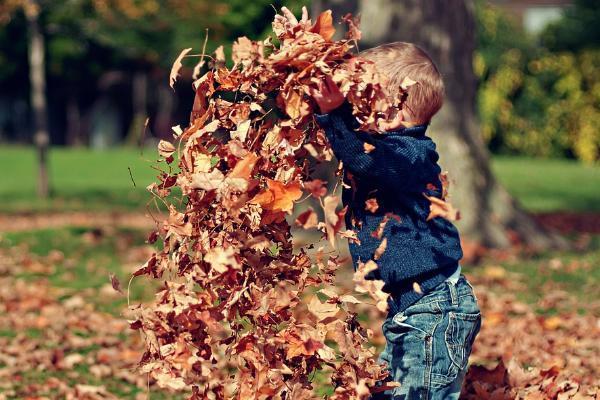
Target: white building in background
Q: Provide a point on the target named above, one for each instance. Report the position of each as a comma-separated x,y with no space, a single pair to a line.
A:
535,15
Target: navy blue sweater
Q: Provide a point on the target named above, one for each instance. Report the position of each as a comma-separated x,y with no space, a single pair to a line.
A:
397,172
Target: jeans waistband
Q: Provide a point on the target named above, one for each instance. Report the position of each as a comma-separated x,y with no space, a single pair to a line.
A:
448,291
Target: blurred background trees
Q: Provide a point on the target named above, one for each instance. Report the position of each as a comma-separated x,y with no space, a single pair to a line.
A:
539,94
107,62
525,76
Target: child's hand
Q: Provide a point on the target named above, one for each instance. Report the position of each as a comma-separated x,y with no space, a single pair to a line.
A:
288,19
328,95
391,125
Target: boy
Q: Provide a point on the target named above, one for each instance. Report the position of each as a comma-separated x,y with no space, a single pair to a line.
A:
433,315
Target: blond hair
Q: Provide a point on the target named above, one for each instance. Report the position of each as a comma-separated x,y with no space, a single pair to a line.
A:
399,60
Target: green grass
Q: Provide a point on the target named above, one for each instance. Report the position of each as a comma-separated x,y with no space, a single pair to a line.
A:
84,179
574,272
550,185
81,179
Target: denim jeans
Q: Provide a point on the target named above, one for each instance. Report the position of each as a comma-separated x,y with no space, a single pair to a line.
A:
429,343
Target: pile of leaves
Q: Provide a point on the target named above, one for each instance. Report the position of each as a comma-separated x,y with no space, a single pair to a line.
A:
53,342
543,353
241,313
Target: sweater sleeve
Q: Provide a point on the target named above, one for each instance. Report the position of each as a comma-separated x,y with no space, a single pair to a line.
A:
393,162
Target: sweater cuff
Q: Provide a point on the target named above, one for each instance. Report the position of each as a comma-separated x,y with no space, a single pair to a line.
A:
324,120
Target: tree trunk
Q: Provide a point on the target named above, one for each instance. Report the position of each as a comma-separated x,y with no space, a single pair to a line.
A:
139,96
37,78
446,30
164,114
74,137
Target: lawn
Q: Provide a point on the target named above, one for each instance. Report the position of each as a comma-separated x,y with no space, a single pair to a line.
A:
550,185
81,179
62,327
59,302
84,179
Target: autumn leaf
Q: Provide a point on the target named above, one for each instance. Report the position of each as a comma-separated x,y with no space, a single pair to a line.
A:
441,208
324,25
322,310
368,147
380,249
333,219
165,149
114,281
308,219
370,286
278,196
177,66
316,187
220,258
371,205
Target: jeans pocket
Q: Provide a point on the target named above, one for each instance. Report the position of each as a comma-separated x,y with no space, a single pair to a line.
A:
460,335
399,327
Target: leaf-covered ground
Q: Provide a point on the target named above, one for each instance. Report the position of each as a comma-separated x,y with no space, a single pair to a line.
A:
62,334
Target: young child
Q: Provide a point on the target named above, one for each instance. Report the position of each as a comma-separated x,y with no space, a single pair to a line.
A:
433,315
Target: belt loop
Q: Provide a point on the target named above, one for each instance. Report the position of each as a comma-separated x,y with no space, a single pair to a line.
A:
453,293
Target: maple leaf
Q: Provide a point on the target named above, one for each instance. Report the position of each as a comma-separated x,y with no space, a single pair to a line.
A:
371,205
165,149
316,187
308,219
441,208
278,196
324,25
371,286
207,180
380,249
177,66
368,147
322,310
220,258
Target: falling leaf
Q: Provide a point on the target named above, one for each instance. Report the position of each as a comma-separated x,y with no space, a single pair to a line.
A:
371,205
380,249
308,219
324,25
177,66
368,147
165,149
441,208
322,310
278,196
316,187
115,283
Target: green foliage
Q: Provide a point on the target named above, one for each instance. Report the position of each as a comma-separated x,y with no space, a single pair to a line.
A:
533,100
579,29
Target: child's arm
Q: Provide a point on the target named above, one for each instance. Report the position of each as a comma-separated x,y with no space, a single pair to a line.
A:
394,161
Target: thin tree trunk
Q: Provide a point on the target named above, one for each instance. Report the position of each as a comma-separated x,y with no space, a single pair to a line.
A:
37,77
164,114
446,30
73,122
139,96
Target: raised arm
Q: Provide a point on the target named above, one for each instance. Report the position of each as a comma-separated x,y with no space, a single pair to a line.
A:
395,161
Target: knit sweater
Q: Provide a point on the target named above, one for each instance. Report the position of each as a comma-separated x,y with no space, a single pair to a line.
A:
397,172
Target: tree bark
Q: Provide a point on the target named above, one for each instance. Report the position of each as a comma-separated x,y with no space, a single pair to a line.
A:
74,137
139,97
37,78
446,30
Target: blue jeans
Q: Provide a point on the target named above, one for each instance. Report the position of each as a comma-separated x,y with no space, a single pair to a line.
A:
428,344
